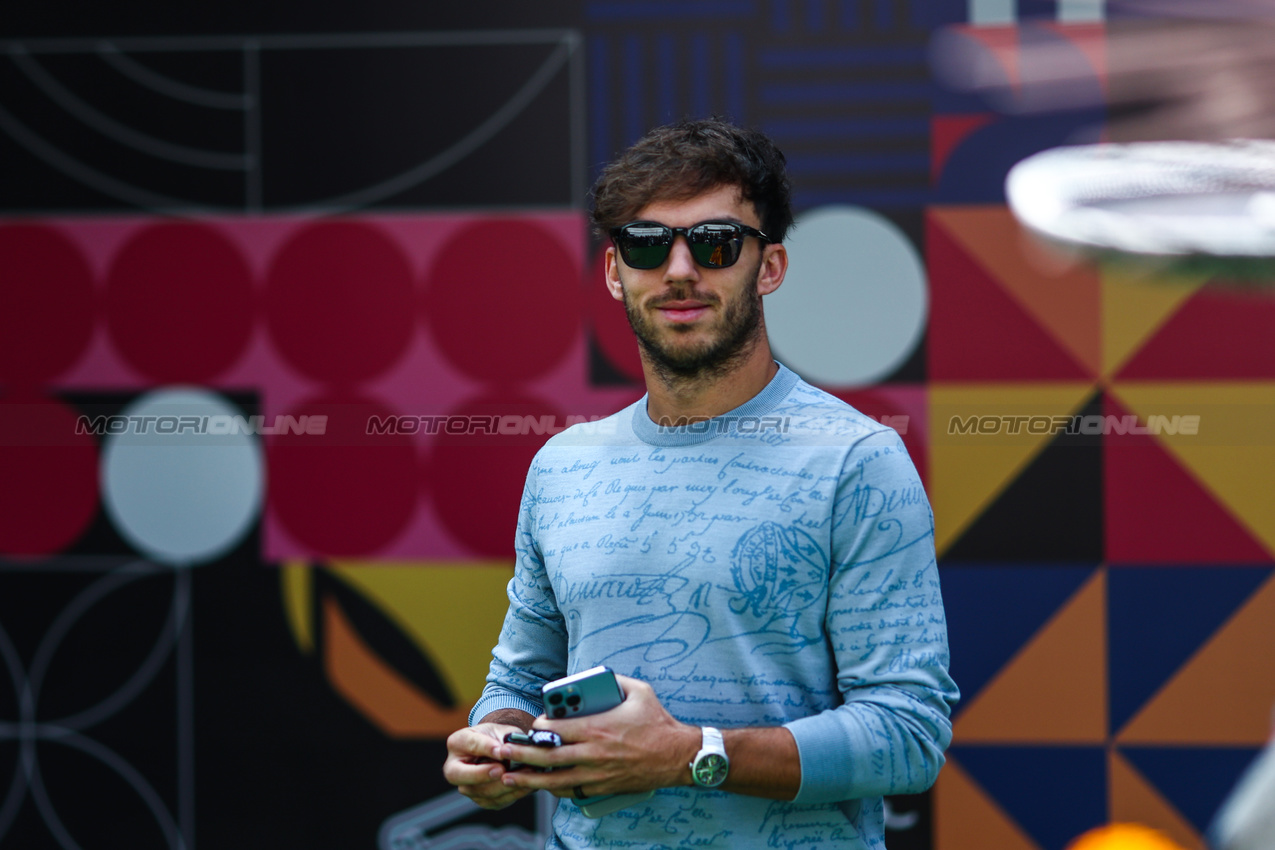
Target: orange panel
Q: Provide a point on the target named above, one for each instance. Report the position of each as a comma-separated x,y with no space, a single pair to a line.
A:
376,689
1055,689
967,819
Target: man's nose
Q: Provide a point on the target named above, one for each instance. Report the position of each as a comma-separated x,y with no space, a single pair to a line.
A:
681,265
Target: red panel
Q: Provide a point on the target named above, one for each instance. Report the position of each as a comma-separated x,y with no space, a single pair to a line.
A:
1157,513
1217,333
977,331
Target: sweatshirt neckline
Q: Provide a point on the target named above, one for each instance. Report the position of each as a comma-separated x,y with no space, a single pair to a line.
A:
701,432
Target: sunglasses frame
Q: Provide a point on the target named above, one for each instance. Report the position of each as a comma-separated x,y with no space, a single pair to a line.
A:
617,234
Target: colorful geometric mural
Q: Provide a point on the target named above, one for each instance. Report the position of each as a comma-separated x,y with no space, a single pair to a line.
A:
1095,441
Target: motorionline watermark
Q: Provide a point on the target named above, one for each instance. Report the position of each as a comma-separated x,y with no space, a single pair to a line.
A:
521,425
1089,425
214,425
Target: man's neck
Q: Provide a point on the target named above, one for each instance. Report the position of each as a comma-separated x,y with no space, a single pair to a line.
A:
676,400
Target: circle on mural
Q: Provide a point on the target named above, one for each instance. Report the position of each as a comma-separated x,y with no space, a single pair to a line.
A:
502,300
181,480
352,489
49,470
339,302
854,304
46,303
479,463
179,302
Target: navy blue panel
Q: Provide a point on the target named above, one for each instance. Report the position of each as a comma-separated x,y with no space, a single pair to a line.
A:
975,172
1038,10
712,11
1194,779
842,93
935,13
839,58
830,129
993,610
735,67
599,102
1158,617
1053,793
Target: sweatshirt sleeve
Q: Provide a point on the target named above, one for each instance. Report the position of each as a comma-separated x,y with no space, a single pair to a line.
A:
532,648
886,625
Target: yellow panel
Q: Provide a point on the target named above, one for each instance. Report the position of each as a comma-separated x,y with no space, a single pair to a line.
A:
451,611
967,819
1063,297
297,585
1133,800
1237,662
1134,306
1055,689
1233,453
969,470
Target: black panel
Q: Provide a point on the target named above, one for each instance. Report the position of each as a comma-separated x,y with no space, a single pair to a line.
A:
1053,511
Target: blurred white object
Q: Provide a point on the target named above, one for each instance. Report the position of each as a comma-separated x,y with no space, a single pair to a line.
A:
1247,818
1206,203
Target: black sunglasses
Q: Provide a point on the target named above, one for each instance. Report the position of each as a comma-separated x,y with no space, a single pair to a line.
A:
714,244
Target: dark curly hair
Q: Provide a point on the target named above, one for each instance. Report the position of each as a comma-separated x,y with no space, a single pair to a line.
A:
685,159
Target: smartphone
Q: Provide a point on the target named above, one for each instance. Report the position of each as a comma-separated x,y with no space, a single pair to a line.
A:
534,738
589,692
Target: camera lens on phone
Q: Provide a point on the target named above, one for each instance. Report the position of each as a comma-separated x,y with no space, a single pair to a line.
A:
559,712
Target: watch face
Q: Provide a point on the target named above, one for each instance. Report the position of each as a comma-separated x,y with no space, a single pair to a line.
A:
710,771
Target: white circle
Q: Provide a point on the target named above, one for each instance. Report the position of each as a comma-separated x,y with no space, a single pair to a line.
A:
853,306
176,490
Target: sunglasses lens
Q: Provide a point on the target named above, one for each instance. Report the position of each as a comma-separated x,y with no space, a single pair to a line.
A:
716,244
644,246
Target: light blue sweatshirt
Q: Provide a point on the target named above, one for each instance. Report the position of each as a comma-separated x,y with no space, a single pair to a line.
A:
773,566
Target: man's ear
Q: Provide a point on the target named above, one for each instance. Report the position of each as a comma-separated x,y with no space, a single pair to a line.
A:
611,267
774,265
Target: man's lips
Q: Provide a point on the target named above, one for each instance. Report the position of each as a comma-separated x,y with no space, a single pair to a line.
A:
682,311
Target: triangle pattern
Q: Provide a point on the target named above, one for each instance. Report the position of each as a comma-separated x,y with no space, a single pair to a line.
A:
1158,618
1236,661
1066,301
1055,689
977,331
1063,480
1157,512
1195,780
1133,800
968,471
974,596
1217,333
965,817
1232,453
1134,306
1053,793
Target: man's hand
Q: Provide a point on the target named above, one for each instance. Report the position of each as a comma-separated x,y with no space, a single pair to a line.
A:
474,762
636,746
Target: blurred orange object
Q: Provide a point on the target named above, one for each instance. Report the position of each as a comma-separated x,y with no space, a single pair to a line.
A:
1124,836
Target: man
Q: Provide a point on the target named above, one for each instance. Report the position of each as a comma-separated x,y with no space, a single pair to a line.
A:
753,557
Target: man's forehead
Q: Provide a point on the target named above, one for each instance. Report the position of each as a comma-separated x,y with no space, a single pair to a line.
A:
724,201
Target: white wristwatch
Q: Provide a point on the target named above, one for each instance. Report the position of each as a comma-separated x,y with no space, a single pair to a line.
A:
711,764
